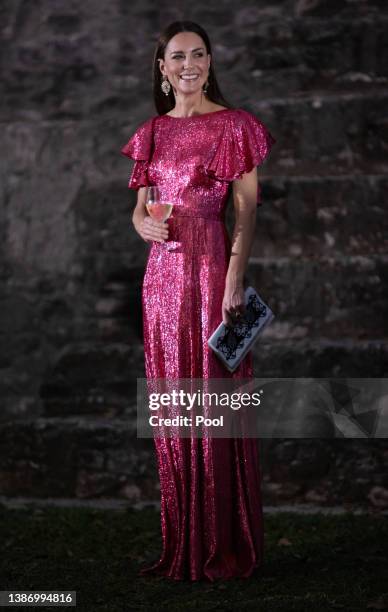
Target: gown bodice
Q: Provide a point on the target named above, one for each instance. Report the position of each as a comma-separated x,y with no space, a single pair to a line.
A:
194,159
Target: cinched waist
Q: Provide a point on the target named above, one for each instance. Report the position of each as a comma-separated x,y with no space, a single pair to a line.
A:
183,211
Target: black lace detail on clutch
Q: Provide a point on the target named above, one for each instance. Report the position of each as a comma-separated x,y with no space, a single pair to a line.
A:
233,338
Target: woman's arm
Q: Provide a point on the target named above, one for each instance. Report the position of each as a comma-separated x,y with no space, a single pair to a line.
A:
245,206
146,227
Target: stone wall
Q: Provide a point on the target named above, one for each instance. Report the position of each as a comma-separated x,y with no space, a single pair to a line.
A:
76,82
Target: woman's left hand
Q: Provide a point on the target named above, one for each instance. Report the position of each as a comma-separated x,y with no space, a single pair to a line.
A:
233,304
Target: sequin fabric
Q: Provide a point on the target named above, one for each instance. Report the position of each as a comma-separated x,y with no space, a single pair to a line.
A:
211,509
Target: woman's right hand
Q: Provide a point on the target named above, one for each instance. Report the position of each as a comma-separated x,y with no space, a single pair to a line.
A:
149,229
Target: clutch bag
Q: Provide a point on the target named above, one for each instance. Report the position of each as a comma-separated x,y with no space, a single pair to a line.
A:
231,343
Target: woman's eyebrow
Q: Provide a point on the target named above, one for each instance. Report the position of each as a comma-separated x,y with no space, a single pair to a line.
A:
198,49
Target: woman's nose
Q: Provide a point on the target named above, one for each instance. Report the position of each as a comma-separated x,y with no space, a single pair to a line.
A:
187,63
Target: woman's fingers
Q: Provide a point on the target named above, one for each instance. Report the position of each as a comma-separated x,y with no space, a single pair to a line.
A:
156,235
238,311
232,314
154,230
226,318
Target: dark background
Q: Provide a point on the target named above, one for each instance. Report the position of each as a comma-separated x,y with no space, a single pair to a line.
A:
75,84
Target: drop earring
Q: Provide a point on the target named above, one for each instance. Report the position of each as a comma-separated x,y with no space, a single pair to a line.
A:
165,86
205,87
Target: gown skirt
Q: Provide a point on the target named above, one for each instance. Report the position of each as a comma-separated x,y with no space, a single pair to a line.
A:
211,508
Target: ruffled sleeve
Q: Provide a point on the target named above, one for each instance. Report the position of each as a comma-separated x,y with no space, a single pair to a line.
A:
140,148
245,143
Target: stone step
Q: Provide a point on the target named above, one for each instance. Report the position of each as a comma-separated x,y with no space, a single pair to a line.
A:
342,129
332,297
320,357
93,378
310,53
102,379
122,505
100,459
320,215
76,457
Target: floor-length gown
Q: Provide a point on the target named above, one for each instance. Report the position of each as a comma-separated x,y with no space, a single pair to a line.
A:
211,510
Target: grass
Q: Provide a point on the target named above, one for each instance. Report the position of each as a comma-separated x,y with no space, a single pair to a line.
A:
314,562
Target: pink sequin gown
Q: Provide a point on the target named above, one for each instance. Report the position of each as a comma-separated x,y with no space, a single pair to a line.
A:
211,510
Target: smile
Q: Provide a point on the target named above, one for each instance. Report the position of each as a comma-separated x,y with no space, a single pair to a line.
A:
191,77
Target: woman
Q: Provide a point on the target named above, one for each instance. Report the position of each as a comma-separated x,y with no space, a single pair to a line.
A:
197,149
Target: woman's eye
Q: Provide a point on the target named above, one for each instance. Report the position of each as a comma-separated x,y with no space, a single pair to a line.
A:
179,56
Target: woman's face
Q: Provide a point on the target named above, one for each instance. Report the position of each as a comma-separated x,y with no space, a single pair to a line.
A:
185,56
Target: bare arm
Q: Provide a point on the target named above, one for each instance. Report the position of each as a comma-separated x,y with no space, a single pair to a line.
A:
147,228
245,206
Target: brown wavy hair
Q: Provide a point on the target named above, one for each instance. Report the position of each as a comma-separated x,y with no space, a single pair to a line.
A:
165,103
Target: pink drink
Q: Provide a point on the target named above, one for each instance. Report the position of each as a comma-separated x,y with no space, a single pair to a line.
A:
160,211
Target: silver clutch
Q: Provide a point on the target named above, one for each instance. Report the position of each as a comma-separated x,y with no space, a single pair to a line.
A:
231,343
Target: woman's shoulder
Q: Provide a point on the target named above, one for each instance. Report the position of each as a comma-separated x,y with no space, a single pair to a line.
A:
243,122
244,115
238,117
140,143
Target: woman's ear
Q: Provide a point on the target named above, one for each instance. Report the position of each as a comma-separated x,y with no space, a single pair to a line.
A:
161,65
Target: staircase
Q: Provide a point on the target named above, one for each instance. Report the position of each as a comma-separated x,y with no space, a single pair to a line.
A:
317,77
